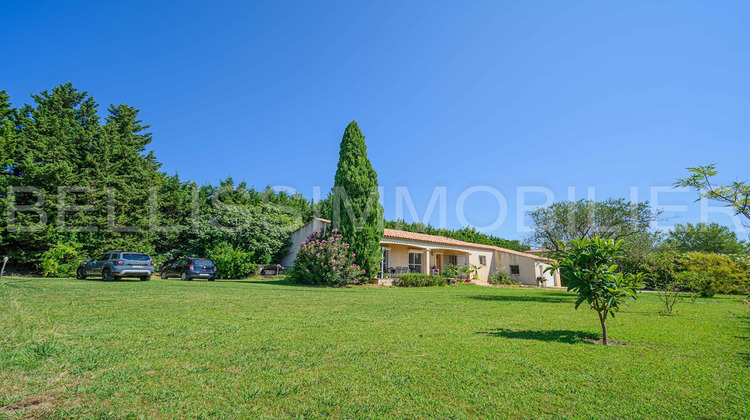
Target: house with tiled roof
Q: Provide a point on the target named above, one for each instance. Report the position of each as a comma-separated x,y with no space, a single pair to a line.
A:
410,252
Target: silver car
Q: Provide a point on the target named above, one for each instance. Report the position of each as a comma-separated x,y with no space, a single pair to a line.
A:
113,265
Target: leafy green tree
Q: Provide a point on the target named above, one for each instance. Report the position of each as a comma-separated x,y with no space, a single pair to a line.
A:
231,261
54,137
711,238
641,246
295,204
357,212
323,208
610,219
123,174
735,195
9,142
587,267
230,214
9,145
171,213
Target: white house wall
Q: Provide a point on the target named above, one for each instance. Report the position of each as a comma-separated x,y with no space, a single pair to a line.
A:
299,236
529,269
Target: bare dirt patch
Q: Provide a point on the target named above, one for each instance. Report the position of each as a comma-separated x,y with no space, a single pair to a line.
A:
31,404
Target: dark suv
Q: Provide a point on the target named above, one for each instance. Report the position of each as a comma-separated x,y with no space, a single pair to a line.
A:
190,268
114,265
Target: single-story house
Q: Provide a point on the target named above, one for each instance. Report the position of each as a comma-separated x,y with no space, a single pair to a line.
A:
420,253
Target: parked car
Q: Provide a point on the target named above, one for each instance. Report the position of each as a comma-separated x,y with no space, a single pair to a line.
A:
113,265
190,268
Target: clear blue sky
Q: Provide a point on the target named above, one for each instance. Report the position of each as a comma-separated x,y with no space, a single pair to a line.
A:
611,95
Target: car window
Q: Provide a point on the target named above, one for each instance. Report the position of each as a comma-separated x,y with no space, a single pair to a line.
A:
204,262
104,257
136,257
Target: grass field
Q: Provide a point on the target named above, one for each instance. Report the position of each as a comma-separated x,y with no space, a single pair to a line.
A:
264,348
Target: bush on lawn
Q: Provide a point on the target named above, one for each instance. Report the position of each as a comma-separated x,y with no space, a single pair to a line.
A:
324,258
61,260
700,283
728,275
420,280
231,262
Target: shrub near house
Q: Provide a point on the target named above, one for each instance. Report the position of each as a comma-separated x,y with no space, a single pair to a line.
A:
324,258
420,280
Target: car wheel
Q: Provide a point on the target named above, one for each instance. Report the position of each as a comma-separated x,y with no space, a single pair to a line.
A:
147,278
163,275
184,276
211,279
107,275
80,274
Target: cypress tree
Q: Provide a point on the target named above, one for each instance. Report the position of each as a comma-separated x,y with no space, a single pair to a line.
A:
357,212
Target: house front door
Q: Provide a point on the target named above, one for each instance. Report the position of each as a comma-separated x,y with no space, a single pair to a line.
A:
439,262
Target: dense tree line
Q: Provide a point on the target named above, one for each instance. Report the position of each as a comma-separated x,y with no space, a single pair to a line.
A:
610,219
702,258
73,184
711,238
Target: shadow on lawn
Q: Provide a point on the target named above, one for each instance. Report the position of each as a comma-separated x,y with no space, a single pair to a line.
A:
17,283
99,279
281,282
561,336
552,298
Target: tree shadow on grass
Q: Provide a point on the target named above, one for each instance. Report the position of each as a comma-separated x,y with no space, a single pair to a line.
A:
560,336
17,283
552,298
120,280
280,282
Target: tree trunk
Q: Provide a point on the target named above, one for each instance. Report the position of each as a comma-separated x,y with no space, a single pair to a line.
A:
604,331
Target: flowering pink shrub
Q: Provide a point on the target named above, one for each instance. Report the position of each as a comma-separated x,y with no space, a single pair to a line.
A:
324,258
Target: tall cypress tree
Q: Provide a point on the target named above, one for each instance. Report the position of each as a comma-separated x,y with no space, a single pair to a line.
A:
357,212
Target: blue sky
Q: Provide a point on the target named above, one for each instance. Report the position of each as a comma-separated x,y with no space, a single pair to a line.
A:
453,95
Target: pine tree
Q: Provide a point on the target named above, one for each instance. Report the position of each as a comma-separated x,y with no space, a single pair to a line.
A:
357,212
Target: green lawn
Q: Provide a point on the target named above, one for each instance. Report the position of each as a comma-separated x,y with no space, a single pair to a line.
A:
168,348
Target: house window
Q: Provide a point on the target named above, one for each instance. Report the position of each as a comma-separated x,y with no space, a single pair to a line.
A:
453,259
515,270
415,262
386,257
482,260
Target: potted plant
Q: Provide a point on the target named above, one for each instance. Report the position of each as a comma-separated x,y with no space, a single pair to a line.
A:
475,269
465,273
450,272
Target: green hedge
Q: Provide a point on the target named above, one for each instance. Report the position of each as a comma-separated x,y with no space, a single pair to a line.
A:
420,280
232,262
